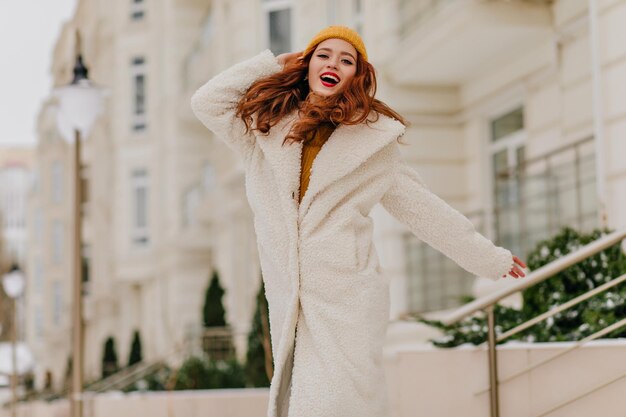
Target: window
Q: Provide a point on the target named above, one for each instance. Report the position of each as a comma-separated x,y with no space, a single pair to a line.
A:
434,281
332,12
349,12
35,181
507,124
38,277
507,157
207,30
357,16
38,226
137,10
57,303
57,182
38,322
278,21
138,73
139,198
208,177
191,202
57,241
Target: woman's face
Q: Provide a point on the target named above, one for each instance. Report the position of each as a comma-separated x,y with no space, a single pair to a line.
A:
332,66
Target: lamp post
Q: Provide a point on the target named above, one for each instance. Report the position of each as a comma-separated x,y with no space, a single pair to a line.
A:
79,105
13,284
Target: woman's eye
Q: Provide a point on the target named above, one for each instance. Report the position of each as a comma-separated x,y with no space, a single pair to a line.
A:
345,61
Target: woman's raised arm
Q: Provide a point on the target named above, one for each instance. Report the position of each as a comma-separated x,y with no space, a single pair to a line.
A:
215,102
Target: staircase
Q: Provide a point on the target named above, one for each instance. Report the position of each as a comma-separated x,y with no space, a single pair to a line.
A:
546,272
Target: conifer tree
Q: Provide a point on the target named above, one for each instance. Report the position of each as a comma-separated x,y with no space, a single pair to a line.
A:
135,350
109,358
259,366
213,311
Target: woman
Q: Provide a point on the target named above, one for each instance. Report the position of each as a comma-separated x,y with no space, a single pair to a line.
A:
328,297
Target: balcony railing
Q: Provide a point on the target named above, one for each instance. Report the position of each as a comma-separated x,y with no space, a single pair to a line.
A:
217,343
435,281
538,197
532,202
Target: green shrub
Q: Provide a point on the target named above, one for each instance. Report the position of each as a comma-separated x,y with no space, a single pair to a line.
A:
256,374
109,358
155,381
201,373
213,313
135,350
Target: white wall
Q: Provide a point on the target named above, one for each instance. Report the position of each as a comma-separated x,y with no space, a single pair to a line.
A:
422,382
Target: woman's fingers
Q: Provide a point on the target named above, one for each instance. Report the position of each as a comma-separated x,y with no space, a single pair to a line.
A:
292,56
516,271
519,261
288,57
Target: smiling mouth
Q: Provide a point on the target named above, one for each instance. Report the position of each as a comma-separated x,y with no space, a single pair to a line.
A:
329,81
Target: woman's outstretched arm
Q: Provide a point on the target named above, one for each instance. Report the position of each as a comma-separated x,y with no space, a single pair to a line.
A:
215,102
444,228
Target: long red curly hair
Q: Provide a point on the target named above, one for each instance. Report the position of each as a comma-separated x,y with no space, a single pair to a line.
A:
271,98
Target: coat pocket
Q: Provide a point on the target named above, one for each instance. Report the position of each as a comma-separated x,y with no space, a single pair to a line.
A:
335,252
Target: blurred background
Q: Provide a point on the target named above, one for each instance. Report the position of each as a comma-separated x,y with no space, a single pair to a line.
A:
518,120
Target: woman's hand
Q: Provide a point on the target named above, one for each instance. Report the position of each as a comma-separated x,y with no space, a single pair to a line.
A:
516,272
288,58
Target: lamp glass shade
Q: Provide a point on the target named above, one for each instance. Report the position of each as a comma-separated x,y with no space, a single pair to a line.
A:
13,283
64,127
79,106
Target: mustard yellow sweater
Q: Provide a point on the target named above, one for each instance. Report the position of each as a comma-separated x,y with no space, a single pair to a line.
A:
310,149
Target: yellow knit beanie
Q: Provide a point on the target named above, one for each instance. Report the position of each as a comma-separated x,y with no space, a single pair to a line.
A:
341,32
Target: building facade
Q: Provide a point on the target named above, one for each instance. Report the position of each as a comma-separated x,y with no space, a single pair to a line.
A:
513,110
146,264
517,120
16,164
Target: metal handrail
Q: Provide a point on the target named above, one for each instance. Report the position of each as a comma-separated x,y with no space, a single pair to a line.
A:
557,151
535,277
121,381
596,335
488,303
564,173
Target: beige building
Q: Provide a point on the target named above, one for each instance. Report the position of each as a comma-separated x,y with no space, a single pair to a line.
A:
517,113
16,164
146,262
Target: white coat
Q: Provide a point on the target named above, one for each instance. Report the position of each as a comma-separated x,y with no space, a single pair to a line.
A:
328,297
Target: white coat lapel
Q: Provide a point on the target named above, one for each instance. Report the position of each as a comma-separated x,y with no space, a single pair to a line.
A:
284,160
345,150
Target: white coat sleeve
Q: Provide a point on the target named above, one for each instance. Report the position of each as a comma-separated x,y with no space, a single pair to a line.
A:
441,226
214,104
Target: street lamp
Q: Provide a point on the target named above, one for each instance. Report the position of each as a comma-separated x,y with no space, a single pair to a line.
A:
79,105
13,284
